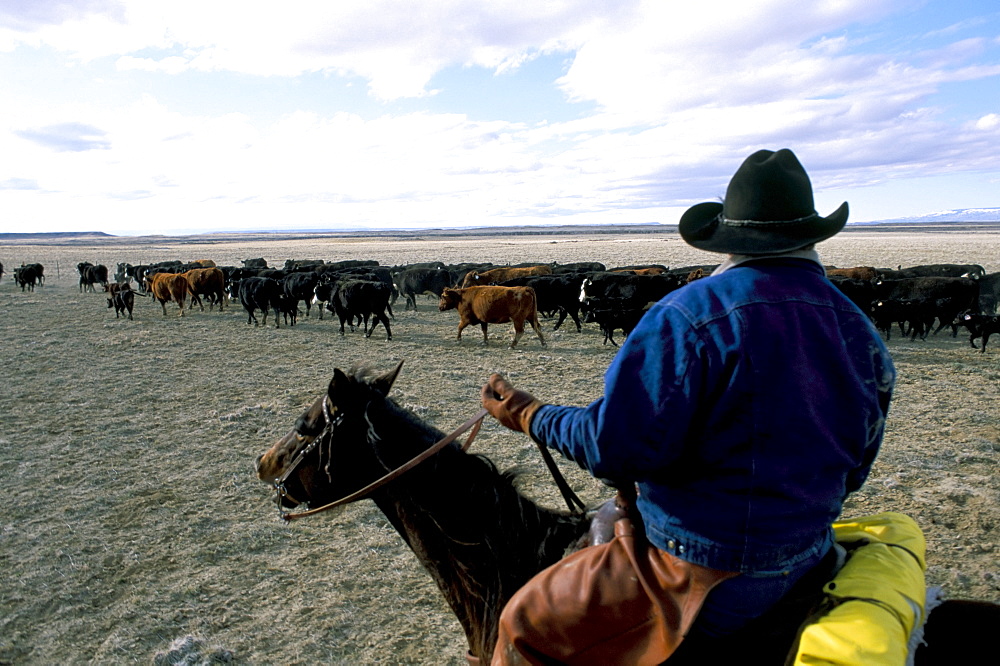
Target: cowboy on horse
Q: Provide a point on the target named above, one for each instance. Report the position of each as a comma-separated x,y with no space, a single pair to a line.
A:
744,408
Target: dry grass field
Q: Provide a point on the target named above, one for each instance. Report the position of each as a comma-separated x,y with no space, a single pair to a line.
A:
132,516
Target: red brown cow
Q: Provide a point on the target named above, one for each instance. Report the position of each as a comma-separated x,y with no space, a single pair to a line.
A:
652,270
209,282
856,273
494,305
168,287
496,275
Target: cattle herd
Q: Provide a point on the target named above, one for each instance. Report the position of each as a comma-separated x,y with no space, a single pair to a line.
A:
919,300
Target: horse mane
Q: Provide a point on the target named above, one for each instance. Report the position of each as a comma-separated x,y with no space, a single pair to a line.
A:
470,526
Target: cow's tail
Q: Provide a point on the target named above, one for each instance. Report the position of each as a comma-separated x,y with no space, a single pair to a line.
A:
535,324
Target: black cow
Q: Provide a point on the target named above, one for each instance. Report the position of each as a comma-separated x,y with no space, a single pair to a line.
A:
555,294
913,316
91,275
254,263
261,293
579,267
963,292
364,298
124,271
635,290
971,271
140,271
27,275
122,300
1,270
418,264
614,314
301,287
459,271
292,265
980,326
413,282
989,294
860,292
288,307
323,294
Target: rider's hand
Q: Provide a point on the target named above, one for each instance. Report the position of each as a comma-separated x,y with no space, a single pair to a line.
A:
509,406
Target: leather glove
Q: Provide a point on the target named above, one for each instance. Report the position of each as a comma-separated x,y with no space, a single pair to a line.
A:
511,407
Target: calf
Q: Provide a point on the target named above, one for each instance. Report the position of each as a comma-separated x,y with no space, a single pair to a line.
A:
493,305
916,314
288,307
980,326
122,300
609,318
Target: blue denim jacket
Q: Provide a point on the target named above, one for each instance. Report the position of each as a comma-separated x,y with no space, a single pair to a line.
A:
746,406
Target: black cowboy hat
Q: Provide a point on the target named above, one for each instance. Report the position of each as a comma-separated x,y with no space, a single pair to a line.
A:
768,208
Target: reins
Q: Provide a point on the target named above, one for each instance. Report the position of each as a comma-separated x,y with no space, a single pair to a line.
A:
574,503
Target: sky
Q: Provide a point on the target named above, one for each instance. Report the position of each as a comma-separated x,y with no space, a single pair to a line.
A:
193,116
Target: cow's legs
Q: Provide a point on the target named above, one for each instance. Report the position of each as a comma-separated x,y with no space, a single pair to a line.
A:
538,329
461,325
986,336
518,332
380,317
486,336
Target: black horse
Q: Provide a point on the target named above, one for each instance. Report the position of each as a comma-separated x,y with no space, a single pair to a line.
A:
481,540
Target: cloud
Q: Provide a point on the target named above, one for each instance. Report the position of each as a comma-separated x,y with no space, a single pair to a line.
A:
990,121
19,184
67,137
28,15
396,47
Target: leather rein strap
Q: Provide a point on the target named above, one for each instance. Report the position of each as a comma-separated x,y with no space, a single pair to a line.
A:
475,423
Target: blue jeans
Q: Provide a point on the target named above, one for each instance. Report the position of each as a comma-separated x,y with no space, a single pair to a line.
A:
734,602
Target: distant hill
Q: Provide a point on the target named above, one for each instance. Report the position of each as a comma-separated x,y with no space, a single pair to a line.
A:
55,235
957,215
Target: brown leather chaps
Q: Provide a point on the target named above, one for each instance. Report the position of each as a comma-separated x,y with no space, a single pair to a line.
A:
622,602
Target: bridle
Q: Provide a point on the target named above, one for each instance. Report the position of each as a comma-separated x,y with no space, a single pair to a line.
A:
331,424
574,503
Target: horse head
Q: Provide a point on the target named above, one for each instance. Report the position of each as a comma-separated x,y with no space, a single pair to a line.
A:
319,460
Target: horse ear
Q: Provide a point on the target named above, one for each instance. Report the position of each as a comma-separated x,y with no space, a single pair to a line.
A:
383,383
338,385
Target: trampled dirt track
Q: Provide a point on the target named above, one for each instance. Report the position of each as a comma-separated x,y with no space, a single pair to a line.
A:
132,515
